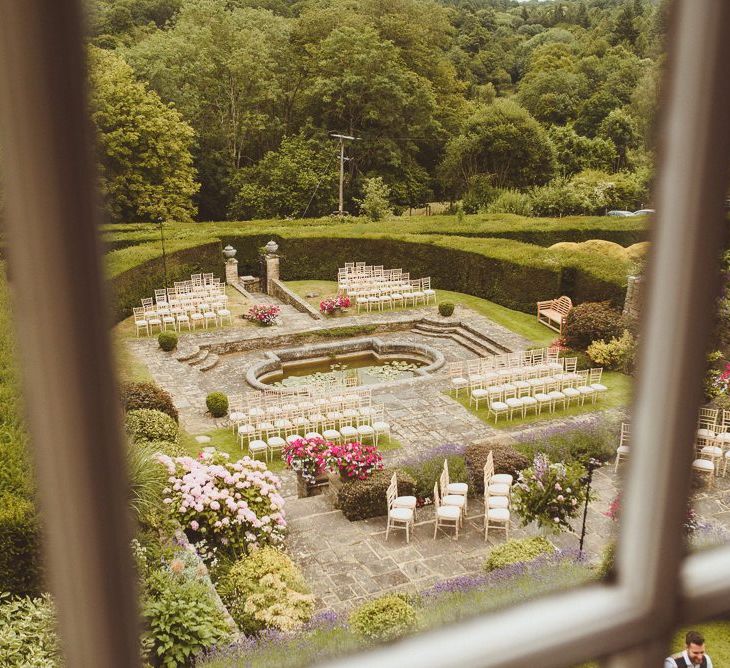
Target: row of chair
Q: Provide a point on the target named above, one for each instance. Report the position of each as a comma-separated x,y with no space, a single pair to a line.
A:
417,292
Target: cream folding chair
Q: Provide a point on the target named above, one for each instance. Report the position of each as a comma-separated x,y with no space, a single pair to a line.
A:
364,429
706,425
140,321
478,394
496,518
583,386
622,452
595,377
458,379
445,515
274,443
398,516
381,427
257,445
403,501
497,408
329,433
417,294
429,293
456,500
457,488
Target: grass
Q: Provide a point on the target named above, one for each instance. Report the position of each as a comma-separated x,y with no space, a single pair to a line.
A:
516,321
618,396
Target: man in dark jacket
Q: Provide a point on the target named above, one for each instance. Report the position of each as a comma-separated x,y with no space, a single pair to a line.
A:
693,655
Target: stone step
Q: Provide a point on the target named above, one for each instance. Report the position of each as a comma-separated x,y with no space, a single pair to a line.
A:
185,354
470,343
479,341
468,340
435,329
200,357
210,361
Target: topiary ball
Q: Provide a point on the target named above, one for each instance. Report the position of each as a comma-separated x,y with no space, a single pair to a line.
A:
217,404
384,618
167,341
446,309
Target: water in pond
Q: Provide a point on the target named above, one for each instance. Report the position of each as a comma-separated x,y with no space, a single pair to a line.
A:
369,369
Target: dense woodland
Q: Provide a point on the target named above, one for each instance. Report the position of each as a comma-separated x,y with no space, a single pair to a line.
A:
222,109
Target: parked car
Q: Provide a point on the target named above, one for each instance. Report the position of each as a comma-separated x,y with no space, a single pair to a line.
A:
620,214
643,212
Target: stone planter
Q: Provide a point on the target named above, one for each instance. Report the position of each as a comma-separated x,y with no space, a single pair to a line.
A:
306,489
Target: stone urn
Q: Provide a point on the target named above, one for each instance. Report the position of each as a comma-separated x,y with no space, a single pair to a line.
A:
305,488
229,252
271,247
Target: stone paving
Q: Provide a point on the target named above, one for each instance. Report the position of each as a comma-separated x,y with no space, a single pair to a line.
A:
344,561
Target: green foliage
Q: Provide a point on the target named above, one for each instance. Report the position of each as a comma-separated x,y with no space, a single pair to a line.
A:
617,354
375,203
300,177
150,425
351,330
181,618
575,153
137,395
506,460
167,341
147,479
20,541
621,129
145,146
446,309
169,448
553,96
382,619
426,473
605,569
266,590
511,201
28,633
217,404
517,551
361,499
591,321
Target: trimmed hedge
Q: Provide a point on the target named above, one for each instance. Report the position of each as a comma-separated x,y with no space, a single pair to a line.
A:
167,341
150,425
361,499
136,395
20,547
592,321
517,551
382,619
446,309
217,404
506,460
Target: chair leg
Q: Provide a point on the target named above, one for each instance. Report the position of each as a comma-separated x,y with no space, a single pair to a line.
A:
435,528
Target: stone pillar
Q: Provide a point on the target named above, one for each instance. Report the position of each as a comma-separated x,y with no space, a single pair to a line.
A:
272,270
231,271
632,303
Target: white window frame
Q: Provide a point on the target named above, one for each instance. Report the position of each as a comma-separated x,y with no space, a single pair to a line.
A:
60,311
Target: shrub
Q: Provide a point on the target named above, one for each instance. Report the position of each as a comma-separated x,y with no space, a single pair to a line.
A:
20,552
618,354
234,506
28,633
517,551
169,448
266,590
506,460
375,203
181,618
605,569
446,309
147,479
427,472
590,322
384,618
361,499
511,201
167,341
217,404
147,395
150,425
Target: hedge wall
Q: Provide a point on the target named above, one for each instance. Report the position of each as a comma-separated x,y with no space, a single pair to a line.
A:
20,553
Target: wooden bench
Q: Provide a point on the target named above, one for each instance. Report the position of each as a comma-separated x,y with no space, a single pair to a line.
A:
553,312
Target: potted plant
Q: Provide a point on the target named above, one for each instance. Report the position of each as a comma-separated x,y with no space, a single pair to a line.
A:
309,458
333,305
264,314
355,461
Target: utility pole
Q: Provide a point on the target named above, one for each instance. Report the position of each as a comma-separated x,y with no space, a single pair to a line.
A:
341,210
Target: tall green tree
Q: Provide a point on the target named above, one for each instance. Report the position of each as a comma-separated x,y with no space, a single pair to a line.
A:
144,146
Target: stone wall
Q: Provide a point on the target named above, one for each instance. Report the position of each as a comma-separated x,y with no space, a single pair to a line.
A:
632,303
280,291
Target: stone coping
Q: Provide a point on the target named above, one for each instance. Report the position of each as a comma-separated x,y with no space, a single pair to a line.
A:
274,361
280,291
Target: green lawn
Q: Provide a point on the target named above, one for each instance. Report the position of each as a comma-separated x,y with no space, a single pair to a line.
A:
618,395
521,323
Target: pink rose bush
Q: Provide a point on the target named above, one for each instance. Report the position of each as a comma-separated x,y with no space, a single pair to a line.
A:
311,457
332,304
550,494
265,314
233,506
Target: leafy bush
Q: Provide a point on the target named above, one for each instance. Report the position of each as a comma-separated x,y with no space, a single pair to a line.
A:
147,479
217,404
517,551
150,425
234,506
167,341
427,472
605,569
591,321
506,460
266,590
375,203
181,616
618,354
361,499
137,395
384,618
28,633
511,201
20,553
169,448
446,309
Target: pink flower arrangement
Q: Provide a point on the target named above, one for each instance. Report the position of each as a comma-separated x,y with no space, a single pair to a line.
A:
356,460
330,305
234,506
308,456
266,314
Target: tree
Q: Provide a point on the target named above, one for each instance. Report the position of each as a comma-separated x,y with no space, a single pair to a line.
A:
504,141
621,129
553,97
300,177
144,145
593,111
375,203
574,153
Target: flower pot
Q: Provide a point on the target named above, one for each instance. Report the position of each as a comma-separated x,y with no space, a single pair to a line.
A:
305,488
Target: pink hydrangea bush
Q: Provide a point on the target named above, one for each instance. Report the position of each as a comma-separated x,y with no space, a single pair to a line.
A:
265,314
233,506
356,461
